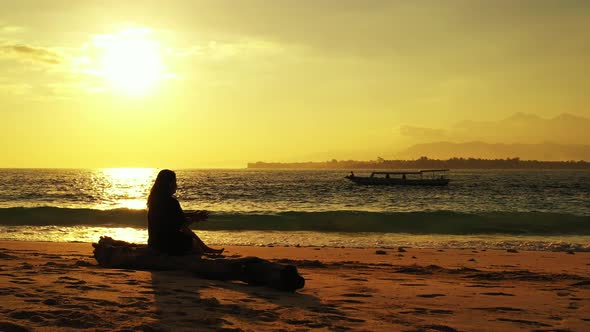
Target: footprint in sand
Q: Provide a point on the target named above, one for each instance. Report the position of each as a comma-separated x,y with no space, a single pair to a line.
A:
429,296
488,286
55,264
22,281
345,318
357,279
356,295
30,301
22,295
8,274
265,296
68,278
7,256
53,256
103,286
497,294
128,282
133,298
500,309
325,309
114,274
362,289
84,264
81,287
413,284
11,327
582,283
426,311
62,318
50,302
73,283
135,302
573,306
524,322
439,328
25,266
247,300
351,301
298,322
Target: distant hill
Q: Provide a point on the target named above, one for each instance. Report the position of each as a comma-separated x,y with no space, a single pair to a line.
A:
543,151
519,128
525,128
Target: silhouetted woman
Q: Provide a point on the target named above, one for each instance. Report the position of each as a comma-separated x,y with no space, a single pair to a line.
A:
168,225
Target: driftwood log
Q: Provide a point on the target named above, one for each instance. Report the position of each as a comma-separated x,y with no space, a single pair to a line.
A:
252,270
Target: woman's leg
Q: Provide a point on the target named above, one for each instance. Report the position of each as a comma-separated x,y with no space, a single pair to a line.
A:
201,246
197,248
204,247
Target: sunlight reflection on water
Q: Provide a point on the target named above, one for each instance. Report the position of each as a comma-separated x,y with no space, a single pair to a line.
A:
305,239
72,234
123,187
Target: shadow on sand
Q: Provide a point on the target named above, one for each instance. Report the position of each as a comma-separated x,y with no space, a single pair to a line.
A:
186,303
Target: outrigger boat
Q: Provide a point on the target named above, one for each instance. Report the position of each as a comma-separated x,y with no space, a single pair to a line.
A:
426,177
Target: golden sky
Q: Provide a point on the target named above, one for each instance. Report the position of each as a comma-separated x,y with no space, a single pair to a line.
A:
220,83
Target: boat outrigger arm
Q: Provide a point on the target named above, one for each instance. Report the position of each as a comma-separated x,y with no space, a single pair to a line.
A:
426,177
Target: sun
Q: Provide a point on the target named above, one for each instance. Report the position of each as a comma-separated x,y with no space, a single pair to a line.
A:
130,61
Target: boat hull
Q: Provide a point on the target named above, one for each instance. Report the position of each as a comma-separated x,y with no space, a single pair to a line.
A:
397,182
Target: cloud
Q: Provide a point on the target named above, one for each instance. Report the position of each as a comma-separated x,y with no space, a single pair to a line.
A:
517,128
48,70
525,128
16,89
222,50
30,53
11,29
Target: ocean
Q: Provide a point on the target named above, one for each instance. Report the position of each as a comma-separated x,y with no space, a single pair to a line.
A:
494,209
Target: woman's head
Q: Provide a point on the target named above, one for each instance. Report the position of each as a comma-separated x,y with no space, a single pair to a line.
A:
164,186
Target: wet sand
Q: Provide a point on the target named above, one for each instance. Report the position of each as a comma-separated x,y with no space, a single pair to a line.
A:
58,286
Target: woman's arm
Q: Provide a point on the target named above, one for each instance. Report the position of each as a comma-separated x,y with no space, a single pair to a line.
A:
199,215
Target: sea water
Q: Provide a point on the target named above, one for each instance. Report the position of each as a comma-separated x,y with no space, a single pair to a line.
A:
526,209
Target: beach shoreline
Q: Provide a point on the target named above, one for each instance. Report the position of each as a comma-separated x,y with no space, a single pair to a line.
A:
59,286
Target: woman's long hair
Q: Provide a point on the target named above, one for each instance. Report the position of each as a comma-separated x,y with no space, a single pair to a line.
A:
162,186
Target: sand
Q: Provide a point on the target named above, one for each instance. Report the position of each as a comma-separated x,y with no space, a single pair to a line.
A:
58,287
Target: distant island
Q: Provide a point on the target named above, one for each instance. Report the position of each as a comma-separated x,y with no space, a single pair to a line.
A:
425,162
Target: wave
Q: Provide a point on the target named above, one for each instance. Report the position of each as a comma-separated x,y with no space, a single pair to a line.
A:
427,222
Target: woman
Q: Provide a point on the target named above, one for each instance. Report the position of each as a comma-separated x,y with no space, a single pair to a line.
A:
168,225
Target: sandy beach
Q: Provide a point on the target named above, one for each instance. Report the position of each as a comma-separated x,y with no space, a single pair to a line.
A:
46,286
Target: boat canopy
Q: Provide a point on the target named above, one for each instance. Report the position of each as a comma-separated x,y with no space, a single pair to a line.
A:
396,173
425,177
413,172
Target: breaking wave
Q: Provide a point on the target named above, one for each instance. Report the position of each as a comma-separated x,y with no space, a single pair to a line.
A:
427,222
